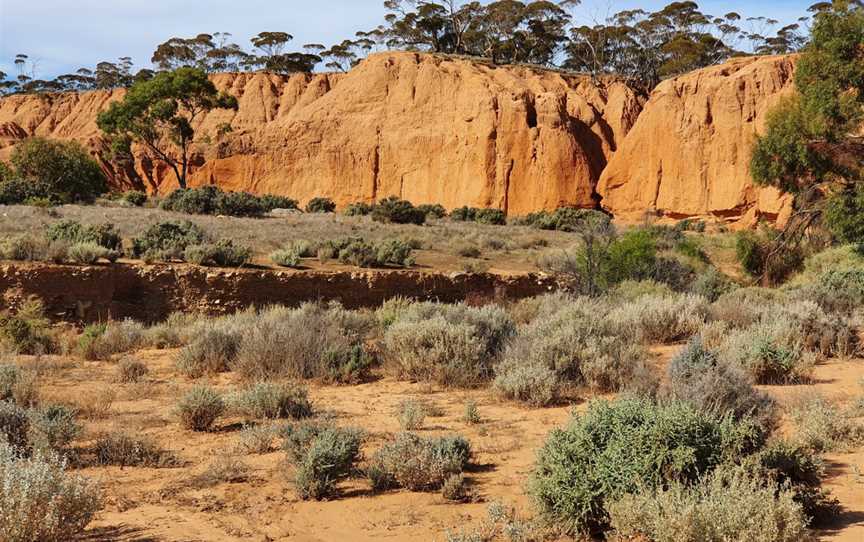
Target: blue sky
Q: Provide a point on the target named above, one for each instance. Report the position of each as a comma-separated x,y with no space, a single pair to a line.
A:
63,35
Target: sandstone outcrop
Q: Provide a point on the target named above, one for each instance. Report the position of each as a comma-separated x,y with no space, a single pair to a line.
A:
689,152
454,131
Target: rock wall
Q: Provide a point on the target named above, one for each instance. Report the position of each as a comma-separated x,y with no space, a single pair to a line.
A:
689,152
151,293
454,131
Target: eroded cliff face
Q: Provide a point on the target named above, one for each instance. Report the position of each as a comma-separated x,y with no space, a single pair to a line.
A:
453,131
689,152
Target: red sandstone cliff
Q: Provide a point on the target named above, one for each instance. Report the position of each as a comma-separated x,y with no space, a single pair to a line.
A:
453,131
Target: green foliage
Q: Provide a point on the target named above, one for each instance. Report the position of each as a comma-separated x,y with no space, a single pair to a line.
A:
135,198
360,253
322,456
53,428
620,447
417,463
159,113
728,504
273,401
27,331
200,408
569,219
285,258
60,170
223,253
211,200
320,205
358,209
494,217
14,426
397,211
90,253
435,210
756,255
167,240
270,202
40,501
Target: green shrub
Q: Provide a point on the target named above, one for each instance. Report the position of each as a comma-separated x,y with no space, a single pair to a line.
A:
211,200
417,463
453,345
239,204
821,426
53,428
14,426
124,450
358,253
90,253
271,401
131,371
214,350
135,198
285,258
200,408
411,414
727,505
63,170
467,250
313,341
72,232
101,341
698,376
389,252
393,252
351,365
24,248
432,210
271,202
322,456
14,191
320,205
660,319
617,448
223,253
567,219
754,253
495,217
167,240
18,386
711,284
574,346
358,209
837,291
40,501
27,331
397,211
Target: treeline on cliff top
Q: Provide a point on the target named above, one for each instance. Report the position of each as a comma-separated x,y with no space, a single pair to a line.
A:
643,46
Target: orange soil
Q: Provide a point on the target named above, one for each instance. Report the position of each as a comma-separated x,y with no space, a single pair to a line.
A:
144,504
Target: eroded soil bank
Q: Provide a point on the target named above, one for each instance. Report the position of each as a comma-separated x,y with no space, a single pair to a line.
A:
151,292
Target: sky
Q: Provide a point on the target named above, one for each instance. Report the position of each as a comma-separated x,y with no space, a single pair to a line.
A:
64,35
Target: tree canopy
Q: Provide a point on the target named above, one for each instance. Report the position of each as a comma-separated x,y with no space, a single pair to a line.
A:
159,113
641,45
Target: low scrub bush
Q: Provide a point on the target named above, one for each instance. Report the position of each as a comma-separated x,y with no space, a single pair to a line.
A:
14,426
453,345
726,505
759,260
40,501
53,428
73,232
417,463
178,329
285,258
24,248
223,253
711,284
320,205
257,439
211,200
28,331
836,291
322,456
821,426
770,351
435,210
213,350
101,341
699,377
271,401
131,371
661,319
411,414
134,198
200,408
393,210
124,450
167,240
90,253
360,253
575,346
494,217
18,386
620,447
313,341
358,209
567,219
